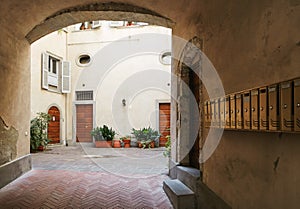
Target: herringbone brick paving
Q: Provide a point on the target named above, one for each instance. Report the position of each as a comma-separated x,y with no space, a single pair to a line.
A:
81,185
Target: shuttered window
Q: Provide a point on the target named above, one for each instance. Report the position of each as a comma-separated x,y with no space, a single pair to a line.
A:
56,74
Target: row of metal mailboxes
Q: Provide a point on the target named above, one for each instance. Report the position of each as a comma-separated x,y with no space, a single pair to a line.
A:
275,108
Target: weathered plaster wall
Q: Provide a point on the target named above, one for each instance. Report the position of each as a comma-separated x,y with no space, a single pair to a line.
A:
14,94
251,44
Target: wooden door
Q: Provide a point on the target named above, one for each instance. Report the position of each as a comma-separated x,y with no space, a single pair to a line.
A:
84,122
54,125
164,122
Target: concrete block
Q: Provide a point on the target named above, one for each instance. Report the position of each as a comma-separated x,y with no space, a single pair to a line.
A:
179,194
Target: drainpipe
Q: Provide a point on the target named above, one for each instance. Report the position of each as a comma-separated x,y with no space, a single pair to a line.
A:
66,98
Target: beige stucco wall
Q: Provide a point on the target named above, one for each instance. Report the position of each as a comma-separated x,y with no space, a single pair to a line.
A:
254,44
55,44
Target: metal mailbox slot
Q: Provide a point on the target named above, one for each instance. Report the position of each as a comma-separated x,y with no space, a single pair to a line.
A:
263,110
213,120
238,111
246,109
205,113
273,101
297,104
227,112
217,113
208,114
222,112
232,112
254,110
286,106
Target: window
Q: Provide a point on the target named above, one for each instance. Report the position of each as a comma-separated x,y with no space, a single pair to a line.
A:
84,95
83,60
53,66
56,74
165,58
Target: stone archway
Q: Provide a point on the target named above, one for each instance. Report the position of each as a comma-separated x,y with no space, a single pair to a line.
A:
97,11
188,107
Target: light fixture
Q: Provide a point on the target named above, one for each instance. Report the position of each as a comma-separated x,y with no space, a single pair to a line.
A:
124,102
53,118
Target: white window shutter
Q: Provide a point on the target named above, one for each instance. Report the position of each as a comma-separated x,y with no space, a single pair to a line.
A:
66,77
96,24
45,70
116,23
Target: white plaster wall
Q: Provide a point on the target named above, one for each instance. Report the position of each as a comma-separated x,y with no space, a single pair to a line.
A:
125,65
42,100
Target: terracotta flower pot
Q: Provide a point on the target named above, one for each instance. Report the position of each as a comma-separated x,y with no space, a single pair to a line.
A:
103,144
117,144
126,143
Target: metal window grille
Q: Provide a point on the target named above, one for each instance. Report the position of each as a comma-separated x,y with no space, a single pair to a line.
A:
84,95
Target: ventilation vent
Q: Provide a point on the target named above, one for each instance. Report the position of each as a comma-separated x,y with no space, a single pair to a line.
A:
84,95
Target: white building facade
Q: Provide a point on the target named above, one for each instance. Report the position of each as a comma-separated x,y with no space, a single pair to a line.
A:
112,73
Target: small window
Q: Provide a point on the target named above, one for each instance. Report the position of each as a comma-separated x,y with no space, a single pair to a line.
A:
84,60
84,95
165,58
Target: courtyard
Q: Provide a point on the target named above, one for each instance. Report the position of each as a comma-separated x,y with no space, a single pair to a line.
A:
81,176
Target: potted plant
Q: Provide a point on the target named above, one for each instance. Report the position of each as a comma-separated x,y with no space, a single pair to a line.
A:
103,136
99,140
146,137
38,132
126,141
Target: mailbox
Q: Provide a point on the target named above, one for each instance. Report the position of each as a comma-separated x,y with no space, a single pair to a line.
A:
209,116
297,104
239,111
254,110
227,112
212,108
217,113
286,106
232,112
205,113
222,113
246,109
263,110
273,101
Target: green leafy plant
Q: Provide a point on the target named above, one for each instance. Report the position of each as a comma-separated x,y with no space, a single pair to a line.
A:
97,134
145,134
38,130
167,152
107,133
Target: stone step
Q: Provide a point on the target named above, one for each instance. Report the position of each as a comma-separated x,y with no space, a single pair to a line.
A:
189,176
179,194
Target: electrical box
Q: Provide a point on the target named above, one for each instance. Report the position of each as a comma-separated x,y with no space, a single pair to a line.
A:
239,111
263,109
222,112
273,101
232,112
286,106
297,104
246,109
227,112
254,110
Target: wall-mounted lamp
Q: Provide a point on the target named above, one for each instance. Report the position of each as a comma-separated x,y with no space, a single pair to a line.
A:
53,118
124,102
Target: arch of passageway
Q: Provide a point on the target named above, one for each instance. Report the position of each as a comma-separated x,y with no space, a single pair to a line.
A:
98,11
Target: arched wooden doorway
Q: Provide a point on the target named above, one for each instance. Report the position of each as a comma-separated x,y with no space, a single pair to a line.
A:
54,125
